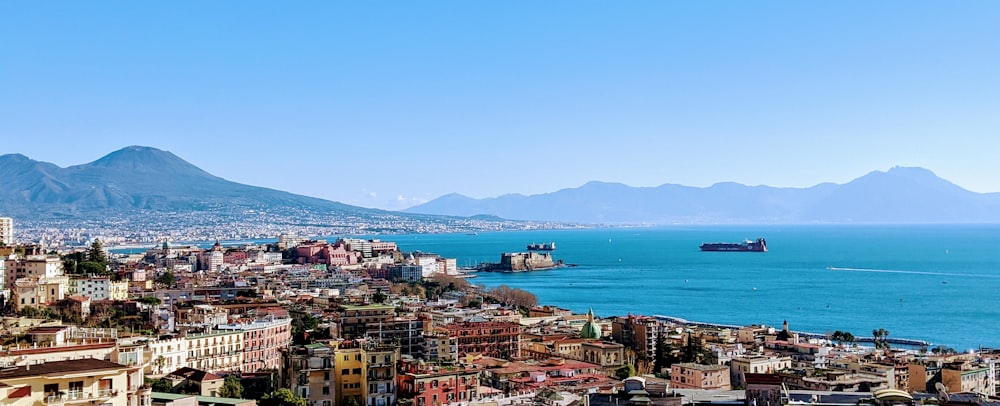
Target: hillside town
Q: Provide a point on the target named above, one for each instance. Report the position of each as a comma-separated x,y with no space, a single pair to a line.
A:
359,322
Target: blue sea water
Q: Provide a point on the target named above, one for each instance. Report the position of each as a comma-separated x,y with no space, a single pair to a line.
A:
937,283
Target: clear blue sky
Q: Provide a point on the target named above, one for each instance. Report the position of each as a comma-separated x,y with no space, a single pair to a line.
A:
387,104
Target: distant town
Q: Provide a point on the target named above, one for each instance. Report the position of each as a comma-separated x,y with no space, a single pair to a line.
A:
359,322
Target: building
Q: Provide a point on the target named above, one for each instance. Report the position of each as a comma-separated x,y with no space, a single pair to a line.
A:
606,354
440,346
739,367
38,291
350,375
406,273
263,341
99,288
697,376
428,385
32,267
311,372
79,381
6,231
166,355
178,399
338,372
381,364
500,339
407,332
216,351
355,320
967,379
207,383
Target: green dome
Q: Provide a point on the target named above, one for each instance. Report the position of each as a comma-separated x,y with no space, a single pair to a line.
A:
590,329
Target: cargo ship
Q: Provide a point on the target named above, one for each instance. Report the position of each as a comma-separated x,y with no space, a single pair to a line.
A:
542,247
746,246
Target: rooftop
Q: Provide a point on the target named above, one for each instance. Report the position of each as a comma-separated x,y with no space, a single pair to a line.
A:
61,368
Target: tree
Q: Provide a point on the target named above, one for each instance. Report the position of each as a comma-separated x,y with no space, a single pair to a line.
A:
663,350
167,279
625,371
96,253
281,397
849,338
379,297
842,337
150,300
513,296
91,267
232,387
692,352
881,338
161,385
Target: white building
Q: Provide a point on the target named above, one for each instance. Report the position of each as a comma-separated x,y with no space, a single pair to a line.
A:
33,267
6,231
99,288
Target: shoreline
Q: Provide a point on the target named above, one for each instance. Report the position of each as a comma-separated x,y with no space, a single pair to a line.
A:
908,342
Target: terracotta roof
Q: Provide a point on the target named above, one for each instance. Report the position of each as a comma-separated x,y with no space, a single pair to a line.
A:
61,367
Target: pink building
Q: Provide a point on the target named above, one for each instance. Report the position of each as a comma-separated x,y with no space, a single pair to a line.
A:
235,257
263,340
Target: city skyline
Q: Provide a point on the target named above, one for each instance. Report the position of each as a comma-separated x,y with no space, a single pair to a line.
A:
487,99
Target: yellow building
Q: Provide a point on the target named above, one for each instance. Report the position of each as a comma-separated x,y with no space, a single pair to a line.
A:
350,372
73,382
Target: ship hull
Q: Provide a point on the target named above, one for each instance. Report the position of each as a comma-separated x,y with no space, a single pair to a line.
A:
747,246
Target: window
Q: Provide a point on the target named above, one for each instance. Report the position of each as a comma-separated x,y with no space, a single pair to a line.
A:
345,371
326,375
356,371
326,390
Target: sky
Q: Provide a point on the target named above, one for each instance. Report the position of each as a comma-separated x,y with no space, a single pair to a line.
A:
391,104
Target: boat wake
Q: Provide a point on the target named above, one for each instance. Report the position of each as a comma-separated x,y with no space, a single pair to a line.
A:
833,268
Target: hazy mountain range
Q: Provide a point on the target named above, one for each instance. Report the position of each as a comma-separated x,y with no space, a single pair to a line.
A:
900,195
146,180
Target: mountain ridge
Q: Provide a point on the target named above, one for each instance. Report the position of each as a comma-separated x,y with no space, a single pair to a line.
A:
898,195
138,179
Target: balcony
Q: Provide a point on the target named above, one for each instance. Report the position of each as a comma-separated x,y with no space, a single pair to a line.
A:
73,397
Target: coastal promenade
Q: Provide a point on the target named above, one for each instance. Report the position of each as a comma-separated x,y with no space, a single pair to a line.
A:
896,341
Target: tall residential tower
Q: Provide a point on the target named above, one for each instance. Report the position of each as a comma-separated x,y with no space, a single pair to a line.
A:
6,231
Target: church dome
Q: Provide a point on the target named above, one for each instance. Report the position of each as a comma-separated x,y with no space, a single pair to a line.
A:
590,329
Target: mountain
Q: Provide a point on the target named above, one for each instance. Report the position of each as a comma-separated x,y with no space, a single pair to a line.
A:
153,192
133,178
899,195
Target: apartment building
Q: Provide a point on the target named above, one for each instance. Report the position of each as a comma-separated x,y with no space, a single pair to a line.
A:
263,341
697,376
78,381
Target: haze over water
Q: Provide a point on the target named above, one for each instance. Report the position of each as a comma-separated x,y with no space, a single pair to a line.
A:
938,283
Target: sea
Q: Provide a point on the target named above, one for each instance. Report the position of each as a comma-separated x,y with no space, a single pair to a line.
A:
937,283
